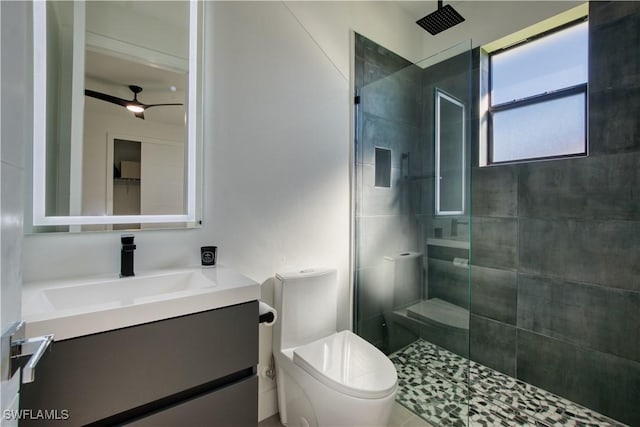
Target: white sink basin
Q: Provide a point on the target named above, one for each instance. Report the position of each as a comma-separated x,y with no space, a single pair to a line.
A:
82,306
126,290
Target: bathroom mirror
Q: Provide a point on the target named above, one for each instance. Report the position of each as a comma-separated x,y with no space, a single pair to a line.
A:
449,155
117,115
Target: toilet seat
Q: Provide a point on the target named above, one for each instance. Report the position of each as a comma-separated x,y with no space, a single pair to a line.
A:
348,364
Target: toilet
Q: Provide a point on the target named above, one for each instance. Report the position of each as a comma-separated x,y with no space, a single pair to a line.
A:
324,377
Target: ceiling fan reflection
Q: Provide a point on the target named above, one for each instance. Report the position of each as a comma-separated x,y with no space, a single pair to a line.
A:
133,105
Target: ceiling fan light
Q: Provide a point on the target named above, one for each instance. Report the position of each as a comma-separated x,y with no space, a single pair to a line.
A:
135,108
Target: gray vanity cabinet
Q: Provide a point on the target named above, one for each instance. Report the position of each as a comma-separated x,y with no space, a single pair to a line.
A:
224,407
194,370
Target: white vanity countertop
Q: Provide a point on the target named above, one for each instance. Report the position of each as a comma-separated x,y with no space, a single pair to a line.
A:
81,306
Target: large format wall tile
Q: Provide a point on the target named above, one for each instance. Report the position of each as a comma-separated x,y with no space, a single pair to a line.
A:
383,58
594,187
444,69
495,191
400,336
374,330
600,318
613,120
422,196
455,85
601,252
448,282
493,294
614,80
605,383
394,97
455,228
493,344
453,339
474,133
606,12
494,242
446,253
358,72
614,50
451,76
374,291
574,244
381,132
394,200
380,236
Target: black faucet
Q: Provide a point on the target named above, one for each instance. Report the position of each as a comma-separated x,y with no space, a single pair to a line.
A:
126,255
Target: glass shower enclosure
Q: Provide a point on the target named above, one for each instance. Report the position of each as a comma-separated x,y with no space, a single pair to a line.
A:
411,220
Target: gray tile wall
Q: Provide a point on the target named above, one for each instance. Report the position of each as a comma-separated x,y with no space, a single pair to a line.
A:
555,292
445,280
556,245
389,117
396,112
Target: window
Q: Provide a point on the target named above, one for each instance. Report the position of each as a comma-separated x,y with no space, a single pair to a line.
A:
537,97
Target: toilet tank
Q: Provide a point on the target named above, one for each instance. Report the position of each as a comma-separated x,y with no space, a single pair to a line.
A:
404,273
306,302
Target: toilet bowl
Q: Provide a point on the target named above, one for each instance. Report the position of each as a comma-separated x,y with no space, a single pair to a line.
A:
325,377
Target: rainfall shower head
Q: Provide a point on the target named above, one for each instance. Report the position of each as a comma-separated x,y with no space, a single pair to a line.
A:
443,18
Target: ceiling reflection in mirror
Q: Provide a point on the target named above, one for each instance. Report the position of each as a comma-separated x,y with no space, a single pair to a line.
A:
118,149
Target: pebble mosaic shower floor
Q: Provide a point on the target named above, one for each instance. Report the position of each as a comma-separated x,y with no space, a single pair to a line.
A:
433,384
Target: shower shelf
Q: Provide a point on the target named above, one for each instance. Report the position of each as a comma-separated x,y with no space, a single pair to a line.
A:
449,243
437,310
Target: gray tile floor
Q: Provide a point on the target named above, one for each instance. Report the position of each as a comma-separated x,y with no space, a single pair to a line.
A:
400,417
439,388
433,383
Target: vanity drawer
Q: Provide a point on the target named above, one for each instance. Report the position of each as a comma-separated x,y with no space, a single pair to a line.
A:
235,405
99,376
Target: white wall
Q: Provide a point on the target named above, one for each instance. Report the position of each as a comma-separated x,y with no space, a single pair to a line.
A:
277,151
486,21
329,24
163,23
15,125
281,146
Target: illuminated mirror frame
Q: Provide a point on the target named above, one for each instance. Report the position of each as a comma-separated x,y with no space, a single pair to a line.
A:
193,126
440,97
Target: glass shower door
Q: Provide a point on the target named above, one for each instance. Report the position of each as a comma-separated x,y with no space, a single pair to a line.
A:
412,227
